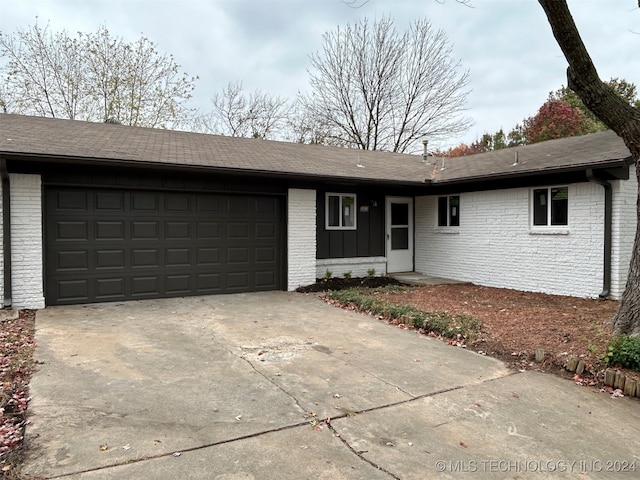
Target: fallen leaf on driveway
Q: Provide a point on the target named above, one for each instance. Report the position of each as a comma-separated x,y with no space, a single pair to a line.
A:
463,445
177,454
104,447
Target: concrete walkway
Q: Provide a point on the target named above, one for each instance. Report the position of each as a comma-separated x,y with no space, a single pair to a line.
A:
283,386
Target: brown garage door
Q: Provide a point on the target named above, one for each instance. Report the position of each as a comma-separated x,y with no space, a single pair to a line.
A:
109,245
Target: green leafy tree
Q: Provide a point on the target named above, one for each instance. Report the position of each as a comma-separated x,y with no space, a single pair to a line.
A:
92,76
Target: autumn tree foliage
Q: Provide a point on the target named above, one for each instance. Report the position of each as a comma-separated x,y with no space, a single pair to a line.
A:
557,119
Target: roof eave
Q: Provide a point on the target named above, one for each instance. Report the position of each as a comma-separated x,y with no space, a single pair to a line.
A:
106,162
622,162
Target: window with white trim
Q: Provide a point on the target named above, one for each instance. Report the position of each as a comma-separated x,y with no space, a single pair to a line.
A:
340,211
550,206
449,211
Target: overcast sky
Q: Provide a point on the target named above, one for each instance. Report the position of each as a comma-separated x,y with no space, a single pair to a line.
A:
506,45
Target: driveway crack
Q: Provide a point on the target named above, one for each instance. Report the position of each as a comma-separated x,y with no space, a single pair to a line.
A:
267,378
358,454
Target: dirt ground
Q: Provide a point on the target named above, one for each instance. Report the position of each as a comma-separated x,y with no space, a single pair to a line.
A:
515,324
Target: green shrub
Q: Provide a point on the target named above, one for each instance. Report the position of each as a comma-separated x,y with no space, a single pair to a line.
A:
347,275
327,275
371,272
442,323
624,351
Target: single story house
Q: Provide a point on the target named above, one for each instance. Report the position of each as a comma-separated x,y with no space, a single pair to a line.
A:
101,212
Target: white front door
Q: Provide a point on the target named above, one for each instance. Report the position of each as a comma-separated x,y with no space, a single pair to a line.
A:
399,221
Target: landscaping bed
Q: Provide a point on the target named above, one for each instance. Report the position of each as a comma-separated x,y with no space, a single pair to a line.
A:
16,367
509,325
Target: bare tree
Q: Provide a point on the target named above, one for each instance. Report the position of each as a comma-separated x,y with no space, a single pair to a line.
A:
93,77
378,89
238,114
619,116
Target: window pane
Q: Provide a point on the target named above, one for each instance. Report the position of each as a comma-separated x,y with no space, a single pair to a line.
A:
540,206
559,206
442,211
399,214
400,238
334,211
454,211
348,211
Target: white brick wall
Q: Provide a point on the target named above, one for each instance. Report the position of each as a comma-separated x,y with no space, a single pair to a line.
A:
301,238
625,194
495,246
26,241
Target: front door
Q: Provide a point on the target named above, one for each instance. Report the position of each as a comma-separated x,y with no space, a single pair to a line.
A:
399,226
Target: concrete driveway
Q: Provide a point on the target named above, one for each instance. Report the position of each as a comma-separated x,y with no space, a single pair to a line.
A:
283,386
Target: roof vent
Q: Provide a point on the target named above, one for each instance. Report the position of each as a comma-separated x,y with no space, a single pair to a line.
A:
443,166
425,152
359,164
516,161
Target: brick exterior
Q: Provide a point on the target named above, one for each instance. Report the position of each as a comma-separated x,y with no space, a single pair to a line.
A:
625,194
496,246
26,241
301,238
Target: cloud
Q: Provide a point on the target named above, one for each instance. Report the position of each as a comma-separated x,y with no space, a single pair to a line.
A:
506,45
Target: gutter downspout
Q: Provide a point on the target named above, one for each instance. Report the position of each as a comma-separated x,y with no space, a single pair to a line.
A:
6,232
608,201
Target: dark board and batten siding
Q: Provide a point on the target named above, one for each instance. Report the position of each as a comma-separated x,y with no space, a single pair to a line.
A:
366,241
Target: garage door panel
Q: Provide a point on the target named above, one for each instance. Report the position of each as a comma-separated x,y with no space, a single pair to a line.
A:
145,258
110,245
145,203
71,200
265,255
208,256
109,230
72,230
178,203
238,230
145,230
178,284
266,205
238,204
73,290
177,230
238,255
110,259
208,204
112,202
265,280
266,230
238,281
110,288
73,260
177,257
145,286
208,230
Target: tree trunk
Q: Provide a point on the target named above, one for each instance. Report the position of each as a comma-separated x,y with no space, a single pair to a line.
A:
620,117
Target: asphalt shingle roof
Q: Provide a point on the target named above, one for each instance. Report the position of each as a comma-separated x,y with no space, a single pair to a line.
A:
46,137
76,140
